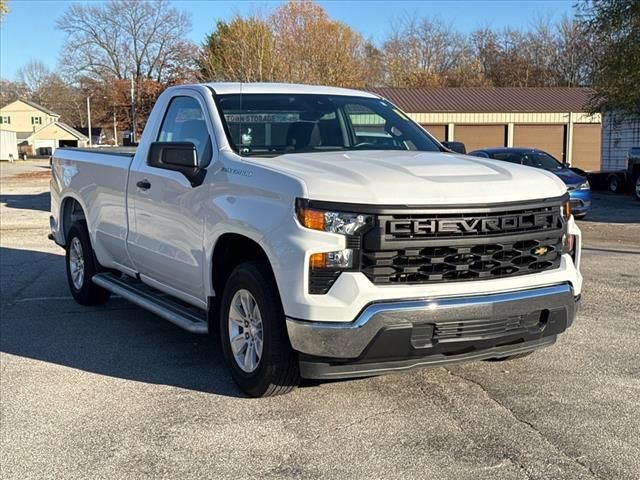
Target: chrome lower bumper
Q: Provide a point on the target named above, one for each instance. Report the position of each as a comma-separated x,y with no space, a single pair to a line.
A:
440,321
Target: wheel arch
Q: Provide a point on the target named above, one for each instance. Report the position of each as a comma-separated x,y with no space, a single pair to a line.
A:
229,251
71,209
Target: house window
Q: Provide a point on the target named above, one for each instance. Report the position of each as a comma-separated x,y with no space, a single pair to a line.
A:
5,119
36,120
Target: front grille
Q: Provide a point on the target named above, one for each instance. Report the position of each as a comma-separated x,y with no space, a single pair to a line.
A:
420,248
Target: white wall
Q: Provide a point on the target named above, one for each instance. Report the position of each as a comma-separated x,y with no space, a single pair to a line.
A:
8,145
619,134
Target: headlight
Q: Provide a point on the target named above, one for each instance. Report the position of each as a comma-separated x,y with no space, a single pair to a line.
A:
584,186
343,223
326,267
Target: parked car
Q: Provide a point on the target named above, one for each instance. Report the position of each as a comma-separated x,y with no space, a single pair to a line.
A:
321,232
576,182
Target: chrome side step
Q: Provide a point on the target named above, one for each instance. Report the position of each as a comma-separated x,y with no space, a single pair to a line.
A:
190,318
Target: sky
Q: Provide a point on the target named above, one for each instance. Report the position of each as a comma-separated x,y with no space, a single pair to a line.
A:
28,32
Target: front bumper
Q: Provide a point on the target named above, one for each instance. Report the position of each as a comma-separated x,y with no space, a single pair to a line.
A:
401,335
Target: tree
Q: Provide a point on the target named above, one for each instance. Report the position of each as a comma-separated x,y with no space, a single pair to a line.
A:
573,62
35,75
4,9
110,43
296,43
125,38
11,91
241,50
615,24
428,53
312,48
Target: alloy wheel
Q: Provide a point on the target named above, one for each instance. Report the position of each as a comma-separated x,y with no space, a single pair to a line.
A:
245,331
76,263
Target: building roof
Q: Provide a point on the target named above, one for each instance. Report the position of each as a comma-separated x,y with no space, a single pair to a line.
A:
70,130
489,99
35,105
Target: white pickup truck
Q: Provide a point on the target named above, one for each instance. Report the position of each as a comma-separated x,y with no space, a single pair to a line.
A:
321,232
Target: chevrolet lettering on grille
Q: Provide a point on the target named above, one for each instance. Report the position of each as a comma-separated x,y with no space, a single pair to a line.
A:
504,223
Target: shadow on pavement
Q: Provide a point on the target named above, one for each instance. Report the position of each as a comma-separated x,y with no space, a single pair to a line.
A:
35,201
117,339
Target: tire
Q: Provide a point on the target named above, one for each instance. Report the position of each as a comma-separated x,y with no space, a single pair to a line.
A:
580,216
273,370
510,357
79,255
636,187
614,183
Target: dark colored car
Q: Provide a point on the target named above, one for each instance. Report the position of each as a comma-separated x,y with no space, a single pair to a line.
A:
577,185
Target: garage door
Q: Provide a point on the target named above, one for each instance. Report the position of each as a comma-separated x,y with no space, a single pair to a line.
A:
586,146
549,138
44,147
438,131
480,136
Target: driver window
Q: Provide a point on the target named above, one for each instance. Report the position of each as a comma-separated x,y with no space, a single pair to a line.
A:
184,122
369,127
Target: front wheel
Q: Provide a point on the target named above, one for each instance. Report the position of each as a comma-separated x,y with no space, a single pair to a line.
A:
636,190
82,266
253,333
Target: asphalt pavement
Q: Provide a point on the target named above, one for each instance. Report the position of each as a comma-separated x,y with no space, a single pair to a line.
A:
115,392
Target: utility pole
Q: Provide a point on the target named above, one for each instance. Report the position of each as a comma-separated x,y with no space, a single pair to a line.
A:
115,128
133,110
89,118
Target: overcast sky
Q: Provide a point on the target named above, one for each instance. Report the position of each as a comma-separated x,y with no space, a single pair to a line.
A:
28,32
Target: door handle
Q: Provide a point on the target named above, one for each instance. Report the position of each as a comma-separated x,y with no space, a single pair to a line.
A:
143,184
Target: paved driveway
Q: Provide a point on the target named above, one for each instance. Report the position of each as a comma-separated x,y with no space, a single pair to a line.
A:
115,392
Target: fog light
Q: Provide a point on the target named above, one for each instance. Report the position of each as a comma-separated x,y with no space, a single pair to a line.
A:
332,260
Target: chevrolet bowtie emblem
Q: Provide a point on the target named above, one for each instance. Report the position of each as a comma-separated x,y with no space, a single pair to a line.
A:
540,251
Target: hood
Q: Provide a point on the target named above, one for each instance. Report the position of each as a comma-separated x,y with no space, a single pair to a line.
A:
388,177
569,177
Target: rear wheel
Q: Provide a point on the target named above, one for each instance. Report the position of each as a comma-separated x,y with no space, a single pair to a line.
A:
614,183
82,266
253,333
636,189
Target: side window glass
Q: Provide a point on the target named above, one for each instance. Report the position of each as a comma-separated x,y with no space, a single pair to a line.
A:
371,129
184,122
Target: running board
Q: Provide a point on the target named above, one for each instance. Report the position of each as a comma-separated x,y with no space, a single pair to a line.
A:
185,316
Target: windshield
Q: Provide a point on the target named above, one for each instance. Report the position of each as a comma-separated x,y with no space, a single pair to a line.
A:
530,159
277,124
541,160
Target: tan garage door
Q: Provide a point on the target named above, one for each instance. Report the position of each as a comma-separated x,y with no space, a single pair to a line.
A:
586,146
438,131
480,136
549,138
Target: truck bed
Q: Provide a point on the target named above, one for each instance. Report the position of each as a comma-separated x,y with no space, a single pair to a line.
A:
120,151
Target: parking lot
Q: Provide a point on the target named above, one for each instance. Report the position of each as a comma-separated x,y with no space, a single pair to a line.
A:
115,392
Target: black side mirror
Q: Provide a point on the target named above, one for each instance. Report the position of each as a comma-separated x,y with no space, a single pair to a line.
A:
457,147
177,156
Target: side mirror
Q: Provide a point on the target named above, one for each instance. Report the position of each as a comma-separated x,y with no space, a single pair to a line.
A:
457,147
177,156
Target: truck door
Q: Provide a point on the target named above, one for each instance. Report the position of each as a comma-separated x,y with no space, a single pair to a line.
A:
166,238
